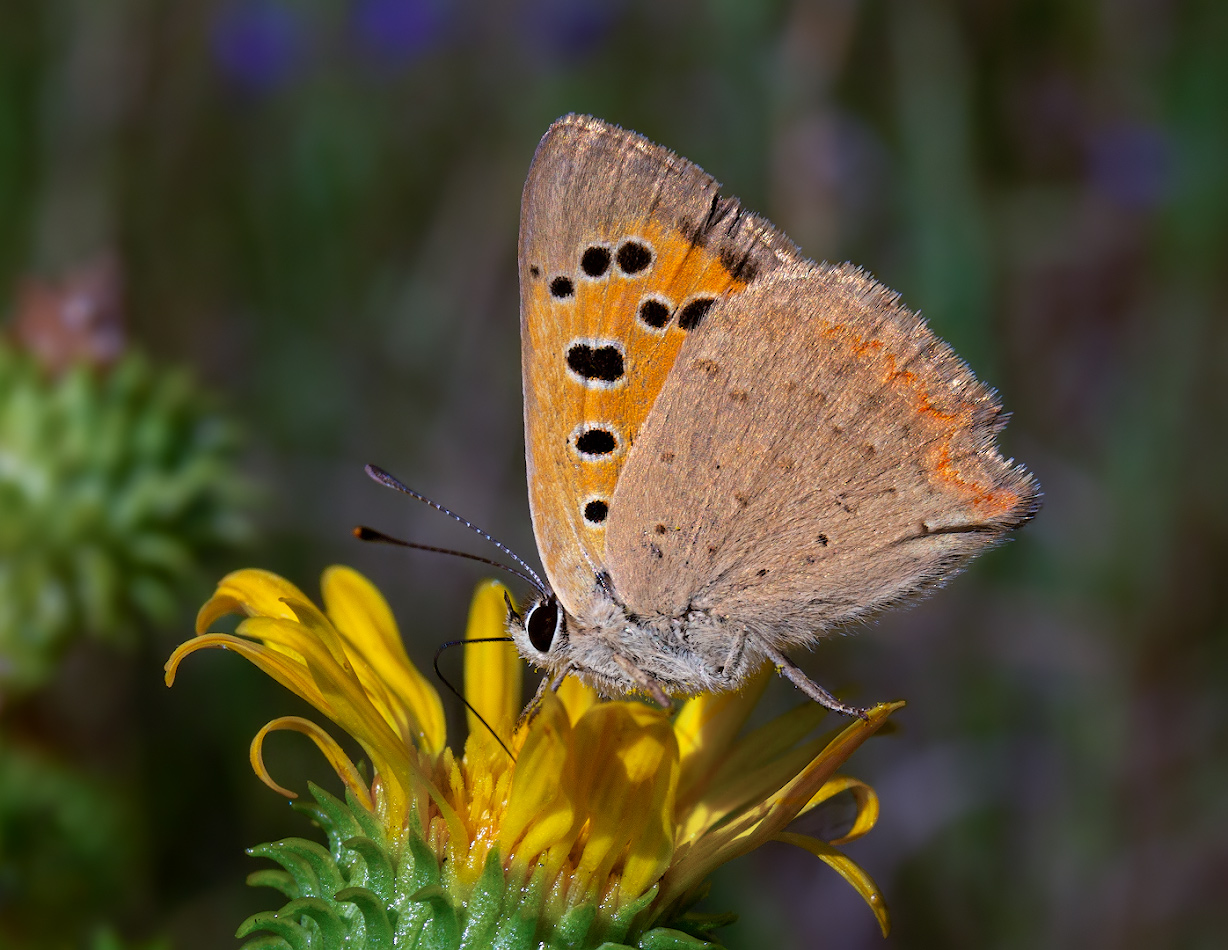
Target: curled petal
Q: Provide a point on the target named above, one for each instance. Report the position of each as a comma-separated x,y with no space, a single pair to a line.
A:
332,751
848,869
338,693
290,673
318,679
314,642
793,797
757,765
865,798
250,591
763,822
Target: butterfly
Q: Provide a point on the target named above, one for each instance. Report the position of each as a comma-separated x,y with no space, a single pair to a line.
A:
731,450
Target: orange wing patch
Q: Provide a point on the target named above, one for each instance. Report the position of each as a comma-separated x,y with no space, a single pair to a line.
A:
608,331
958,470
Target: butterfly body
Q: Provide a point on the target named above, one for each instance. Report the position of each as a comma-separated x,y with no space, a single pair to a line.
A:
617,651
731,450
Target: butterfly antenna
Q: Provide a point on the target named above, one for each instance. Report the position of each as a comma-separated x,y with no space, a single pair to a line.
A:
363,533
468,705
390,481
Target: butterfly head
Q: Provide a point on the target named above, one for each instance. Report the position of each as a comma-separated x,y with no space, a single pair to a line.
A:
541,633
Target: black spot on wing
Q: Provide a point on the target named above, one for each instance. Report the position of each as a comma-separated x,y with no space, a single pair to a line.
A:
653,313
596,363
595,261
692,314
633,257
596,442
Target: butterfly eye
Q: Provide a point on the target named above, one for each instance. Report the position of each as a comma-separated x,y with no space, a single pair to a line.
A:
541,624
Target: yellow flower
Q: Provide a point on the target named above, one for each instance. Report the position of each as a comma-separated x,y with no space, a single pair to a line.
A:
615,806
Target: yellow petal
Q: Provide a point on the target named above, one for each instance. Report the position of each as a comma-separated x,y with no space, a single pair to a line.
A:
755,767
321,629
734,789
627,759
349,704
847,869
541,808
762,746
363,618
315,641
577,697
287,637
493,671
302,649
341,696
332,751
250,591
706,727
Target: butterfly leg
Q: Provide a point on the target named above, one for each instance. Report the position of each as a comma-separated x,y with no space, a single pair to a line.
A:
734,658
807,685
550,682
644,681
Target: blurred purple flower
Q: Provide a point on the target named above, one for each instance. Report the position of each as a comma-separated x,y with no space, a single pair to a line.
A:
257,43
568,29
1131,164
397,31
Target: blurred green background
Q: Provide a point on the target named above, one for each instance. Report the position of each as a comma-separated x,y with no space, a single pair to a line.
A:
312,205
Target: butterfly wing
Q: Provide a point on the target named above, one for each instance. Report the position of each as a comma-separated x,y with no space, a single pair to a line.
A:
623,245
816,454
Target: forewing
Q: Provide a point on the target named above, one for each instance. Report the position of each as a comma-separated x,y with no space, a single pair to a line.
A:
622,246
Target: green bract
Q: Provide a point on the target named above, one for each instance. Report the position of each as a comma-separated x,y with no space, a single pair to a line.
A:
358,894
